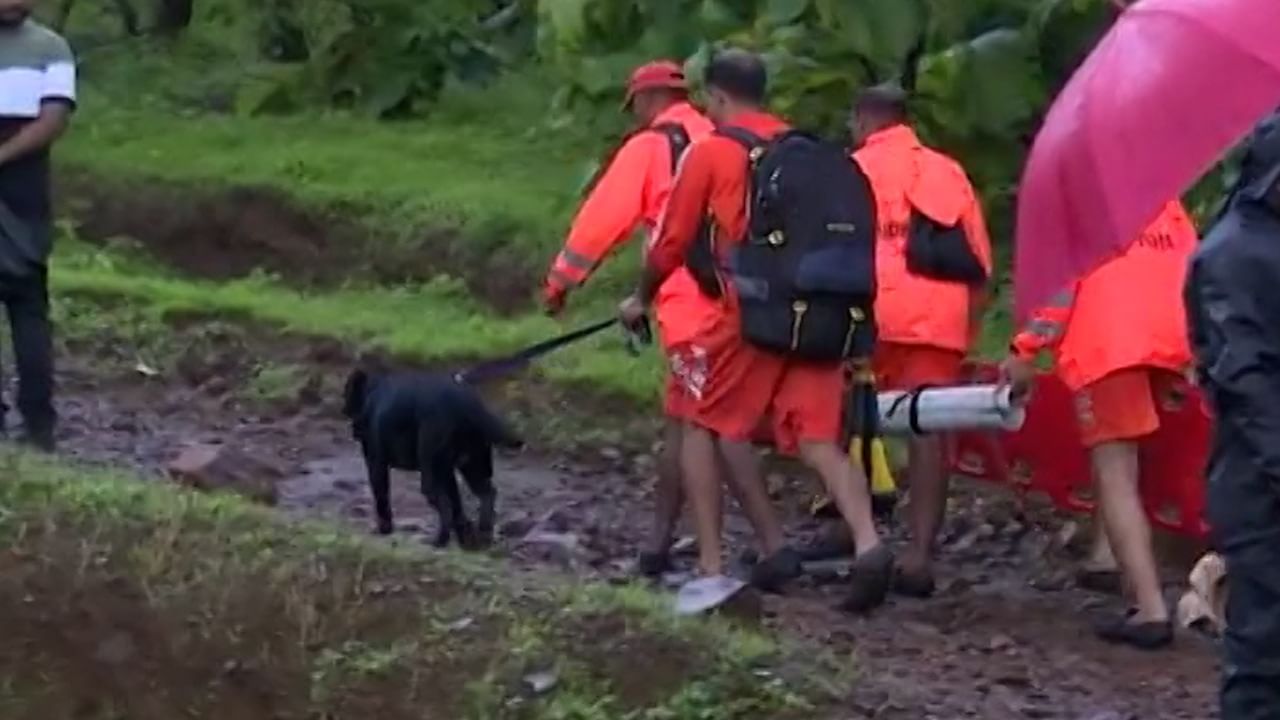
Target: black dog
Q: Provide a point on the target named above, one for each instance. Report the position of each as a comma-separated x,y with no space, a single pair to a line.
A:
435,426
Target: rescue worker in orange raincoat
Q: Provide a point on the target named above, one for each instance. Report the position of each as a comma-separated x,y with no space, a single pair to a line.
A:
631,191
1120,344
927,312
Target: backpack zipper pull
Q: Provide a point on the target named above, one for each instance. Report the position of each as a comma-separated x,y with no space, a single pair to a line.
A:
856,316
798,309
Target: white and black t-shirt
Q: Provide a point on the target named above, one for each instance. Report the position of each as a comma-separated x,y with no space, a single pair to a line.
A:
36,67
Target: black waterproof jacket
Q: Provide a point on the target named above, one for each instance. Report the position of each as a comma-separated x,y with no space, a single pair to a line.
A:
1233,308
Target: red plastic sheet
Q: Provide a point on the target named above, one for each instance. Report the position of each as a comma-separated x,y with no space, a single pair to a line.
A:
1046,456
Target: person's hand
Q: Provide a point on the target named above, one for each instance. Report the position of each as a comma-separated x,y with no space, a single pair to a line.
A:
631,311
1018,373
553,297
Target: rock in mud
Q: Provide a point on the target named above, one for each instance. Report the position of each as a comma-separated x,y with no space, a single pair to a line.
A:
564,549
218,468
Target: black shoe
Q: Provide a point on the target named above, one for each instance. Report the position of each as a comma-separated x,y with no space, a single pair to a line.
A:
654,564
775,571
872,574
1141,635
827,546
41,440
918,585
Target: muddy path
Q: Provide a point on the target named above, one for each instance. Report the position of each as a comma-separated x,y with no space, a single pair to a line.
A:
1006,637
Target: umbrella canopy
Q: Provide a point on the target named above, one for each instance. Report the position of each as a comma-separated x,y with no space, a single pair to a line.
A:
1171,88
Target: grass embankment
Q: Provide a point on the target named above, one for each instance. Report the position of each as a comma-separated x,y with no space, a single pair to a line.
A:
121,599
487,167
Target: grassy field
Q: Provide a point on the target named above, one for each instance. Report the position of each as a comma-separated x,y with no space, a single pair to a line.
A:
127,599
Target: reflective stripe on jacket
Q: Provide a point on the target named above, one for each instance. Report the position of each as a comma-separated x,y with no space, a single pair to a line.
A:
631,192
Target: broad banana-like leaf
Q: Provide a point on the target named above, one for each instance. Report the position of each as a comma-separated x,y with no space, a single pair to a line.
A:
784,12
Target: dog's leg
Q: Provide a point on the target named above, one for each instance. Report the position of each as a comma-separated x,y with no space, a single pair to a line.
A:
477,470
461,523
437,476
380,486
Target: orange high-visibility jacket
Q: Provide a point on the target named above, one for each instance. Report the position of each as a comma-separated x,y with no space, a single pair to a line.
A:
631,192
904,174
1127,313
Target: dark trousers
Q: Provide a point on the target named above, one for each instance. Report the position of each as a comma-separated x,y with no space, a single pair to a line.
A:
1244,510
26,301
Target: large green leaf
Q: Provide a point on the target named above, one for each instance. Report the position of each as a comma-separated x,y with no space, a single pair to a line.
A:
784,12
567,20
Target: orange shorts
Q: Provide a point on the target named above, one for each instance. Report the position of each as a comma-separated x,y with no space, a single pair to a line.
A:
899,366
1124,405
733,389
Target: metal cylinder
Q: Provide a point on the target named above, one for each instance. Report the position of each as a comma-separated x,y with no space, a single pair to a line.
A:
967,407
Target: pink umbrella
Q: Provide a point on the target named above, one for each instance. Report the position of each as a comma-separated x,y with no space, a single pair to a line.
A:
1171,88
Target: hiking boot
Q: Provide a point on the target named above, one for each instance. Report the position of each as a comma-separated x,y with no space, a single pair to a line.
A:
872,574
1155,635
833,542
918,584
654,564
775,571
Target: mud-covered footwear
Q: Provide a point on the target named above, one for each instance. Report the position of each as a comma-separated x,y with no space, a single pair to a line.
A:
872,574
775,571
832,543
654,564
918,584
1142,635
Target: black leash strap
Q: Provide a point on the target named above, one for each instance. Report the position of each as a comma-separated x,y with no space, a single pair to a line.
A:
491,369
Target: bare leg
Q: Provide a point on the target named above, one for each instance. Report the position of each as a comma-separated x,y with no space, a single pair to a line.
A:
1116,468
848,489
873,566
702,487
747,484
668,492
1100,556
929,483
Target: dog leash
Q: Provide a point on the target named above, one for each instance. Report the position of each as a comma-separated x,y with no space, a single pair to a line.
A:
490,369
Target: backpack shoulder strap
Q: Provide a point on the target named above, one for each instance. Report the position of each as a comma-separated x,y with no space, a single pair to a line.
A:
747,139
677,138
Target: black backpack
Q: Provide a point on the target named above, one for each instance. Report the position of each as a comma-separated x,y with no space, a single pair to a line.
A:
805,274
677,137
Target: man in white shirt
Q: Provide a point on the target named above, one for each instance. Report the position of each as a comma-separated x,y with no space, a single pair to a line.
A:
37,97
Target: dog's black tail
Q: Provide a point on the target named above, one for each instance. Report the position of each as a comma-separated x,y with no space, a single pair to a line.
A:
496,429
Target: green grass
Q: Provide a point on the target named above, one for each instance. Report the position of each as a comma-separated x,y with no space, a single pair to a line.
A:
218,604
435,323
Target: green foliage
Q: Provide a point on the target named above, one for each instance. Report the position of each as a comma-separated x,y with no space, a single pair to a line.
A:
385,58
983,70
